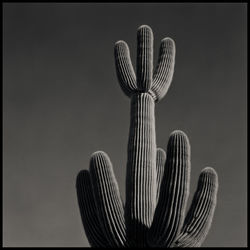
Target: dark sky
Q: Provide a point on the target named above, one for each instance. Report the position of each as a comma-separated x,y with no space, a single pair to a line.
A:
62,102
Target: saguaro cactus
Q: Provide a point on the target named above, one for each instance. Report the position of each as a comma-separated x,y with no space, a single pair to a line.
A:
157,182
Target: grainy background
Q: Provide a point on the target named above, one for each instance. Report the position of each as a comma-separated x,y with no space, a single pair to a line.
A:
62,102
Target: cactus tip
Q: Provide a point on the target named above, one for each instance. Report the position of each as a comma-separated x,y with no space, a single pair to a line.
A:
98,154
83,174
213,176
120,42
209,170
160,150
168,41
146,27
178,133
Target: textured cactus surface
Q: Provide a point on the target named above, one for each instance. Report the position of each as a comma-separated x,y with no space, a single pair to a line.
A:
157,181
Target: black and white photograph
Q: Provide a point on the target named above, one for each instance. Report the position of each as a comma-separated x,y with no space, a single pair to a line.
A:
124,124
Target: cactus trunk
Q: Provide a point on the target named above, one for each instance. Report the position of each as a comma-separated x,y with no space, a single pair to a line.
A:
141,168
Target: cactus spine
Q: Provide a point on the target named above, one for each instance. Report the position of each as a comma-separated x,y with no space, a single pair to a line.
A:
157,183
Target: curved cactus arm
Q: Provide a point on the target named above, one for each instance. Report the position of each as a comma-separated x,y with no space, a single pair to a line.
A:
199,217
160,163
88,210
169,213
124,69
144,65
164,71
107,198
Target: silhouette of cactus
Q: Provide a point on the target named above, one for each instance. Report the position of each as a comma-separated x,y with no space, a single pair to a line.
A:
157,183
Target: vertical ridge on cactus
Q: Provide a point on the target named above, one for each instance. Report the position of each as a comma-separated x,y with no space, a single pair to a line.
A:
160,163
200,214
164,70
108,201
144,58
141,168
157,182
174,191
88,210
124,68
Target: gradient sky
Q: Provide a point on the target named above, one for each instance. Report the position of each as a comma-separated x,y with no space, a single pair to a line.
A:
62,102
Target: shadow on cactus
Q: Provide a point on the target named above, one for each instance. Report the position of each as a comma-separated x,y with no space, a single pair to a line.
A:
157,182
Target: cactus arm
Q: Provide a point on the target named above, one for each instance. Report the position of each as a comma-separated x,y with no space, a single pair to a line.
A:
144,58
199,217
107,198
169,213
164,71
88,210
160,163
141,169
124,69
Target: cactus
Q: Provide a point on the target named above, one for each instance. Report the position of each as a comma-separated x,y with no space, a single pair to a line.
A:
157,182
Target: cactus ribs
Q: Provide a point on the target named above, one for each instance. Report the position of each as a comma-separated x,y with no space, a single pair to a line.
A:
157,183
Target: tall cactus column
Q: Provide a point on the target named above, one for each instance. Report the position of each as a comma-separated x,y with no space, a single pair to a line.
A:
157,182
141,164
144,89
141,168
